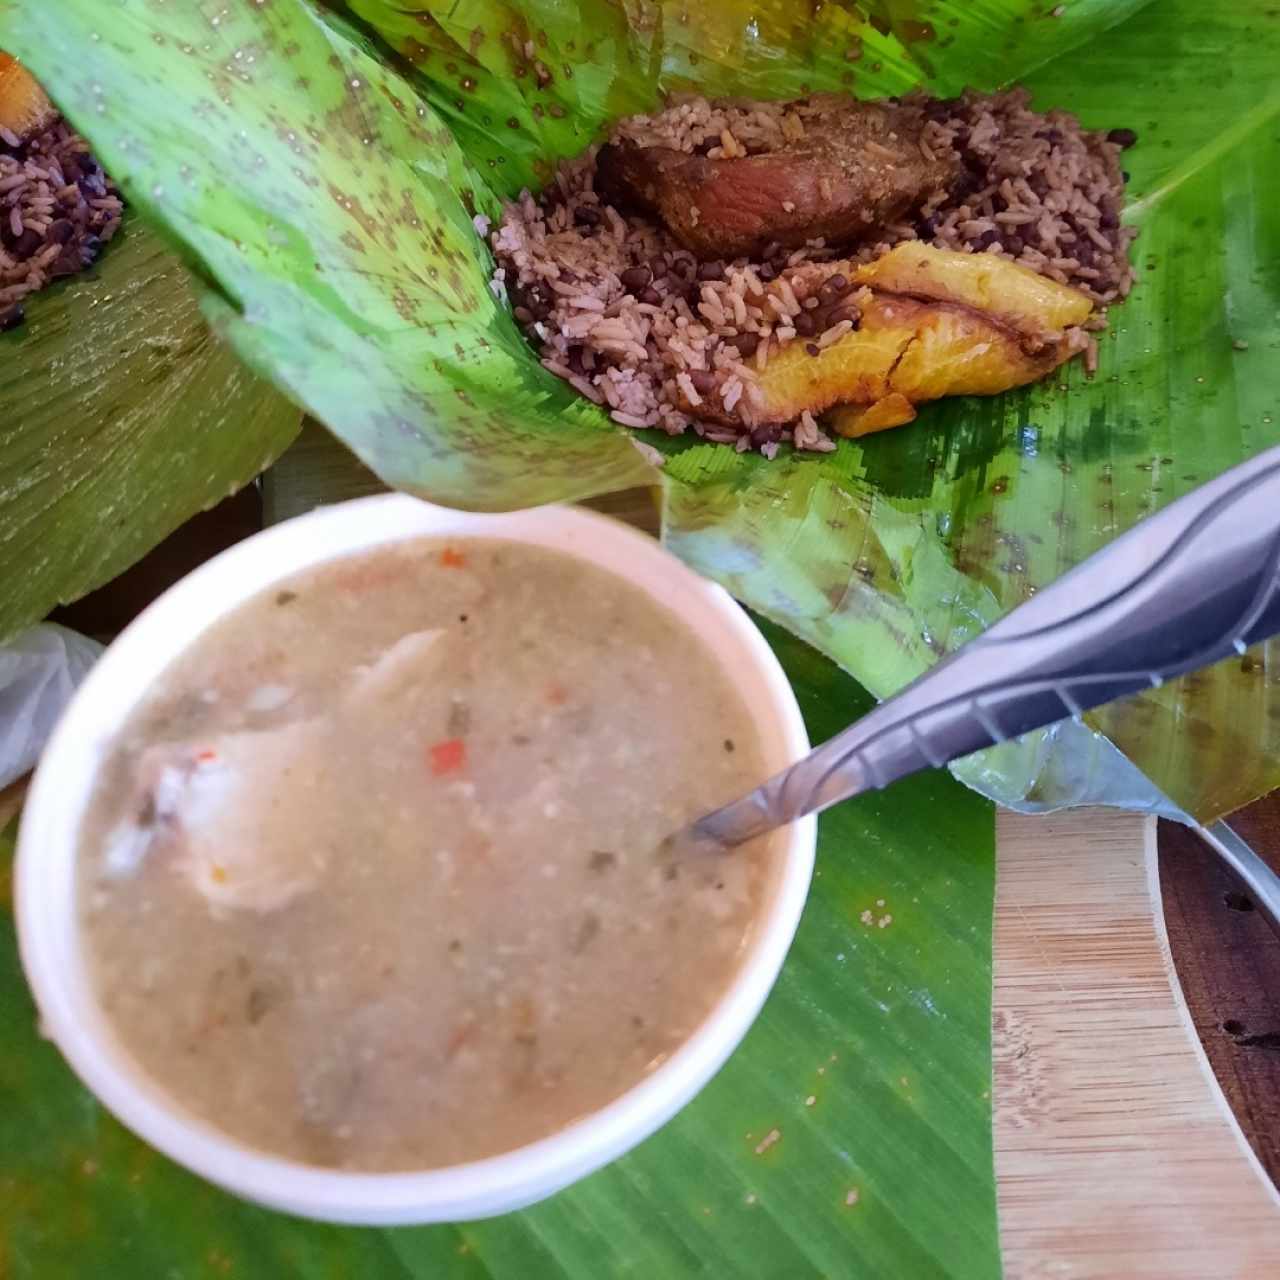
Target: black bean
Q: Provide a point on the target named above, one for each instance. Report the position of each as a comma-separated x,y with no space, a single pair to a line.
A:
711,271
588,215
704,381
27,243
651,296
846,311
805,324
533,301
1084,253
1052,136
61,231
766,271
70,166
1122,137
761,436
927,228
67,263
1039,184
812,348
839,283
1013,243
1108,221
637,278
986,239
11,318
746,343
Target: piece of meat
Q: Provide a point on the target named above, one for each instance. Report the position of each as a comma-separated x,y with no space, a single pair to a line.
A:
206,804
858,167
407,664
206,807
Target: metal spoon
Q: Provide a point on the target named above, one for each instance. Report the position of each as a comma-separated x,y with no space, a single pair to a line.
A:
1183,589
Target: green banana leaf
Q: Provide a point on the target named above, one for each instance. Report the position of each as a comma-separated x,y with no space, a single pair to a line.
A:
870,1063
121,416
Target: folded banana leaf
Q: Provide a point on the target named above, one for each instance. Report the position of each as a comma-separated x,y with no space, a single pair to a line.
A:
121,416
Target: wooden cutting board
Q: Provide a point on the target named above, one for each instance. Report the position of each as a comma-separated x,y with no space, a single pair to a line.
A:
1116,1153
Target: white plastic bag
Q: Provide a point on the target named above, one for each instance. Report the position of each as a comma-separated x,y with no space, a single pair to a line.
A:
39,671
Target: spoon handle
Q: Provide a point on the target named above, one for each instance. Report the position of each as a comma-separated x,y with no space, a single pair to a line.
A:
1185,588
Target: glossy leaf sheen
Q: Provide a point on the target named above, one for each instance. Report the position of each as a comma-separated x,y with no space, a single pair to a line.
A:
120,417
870,1060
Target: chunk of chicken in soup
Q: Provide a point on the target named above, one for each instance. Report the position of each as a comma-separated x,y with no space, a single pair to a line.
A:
375,877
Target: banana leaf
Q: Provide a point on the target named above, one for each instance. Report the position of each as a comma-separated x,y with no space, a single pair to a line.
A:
850,1135
321,167
120,417
332,225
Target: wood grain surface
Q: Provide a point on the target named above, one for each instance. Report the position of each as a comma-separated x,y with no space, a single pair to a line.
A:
1116,1153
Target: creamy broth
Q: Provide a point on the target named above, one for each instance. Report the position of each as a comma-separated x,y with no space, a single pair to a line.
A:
373,879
